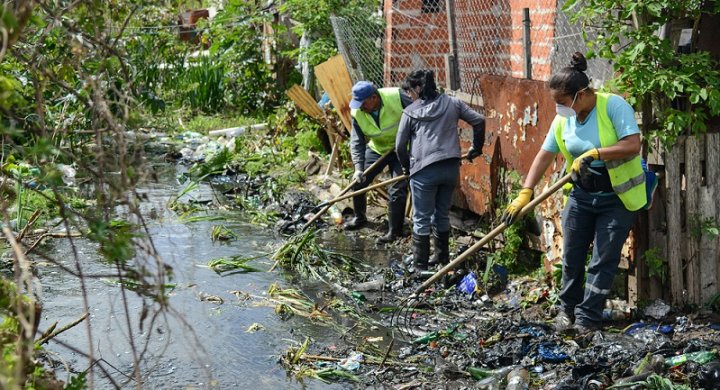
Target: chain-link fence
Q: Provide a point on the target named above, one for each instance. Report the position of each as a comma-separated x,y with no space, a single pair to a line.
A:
569,39
461,40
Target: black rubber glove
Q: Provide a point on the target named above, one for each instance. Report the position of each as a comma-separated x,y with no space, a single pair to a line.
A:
472,153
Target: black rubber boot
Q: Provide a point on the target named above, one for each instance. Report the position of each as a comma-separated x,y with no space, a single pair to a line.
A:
360,218
421,251
396,220
441,244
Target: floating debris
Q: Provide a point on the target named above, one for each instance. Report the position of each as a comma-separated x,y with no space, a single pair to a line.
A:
234,264
254,327
222,233
302,254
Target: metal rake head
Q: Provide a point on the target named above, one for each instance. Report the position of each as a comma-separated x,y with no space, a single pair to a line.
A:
402,318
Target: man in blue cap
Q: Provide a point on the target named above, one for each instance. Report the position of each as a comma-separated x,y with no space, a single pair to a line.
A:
376,114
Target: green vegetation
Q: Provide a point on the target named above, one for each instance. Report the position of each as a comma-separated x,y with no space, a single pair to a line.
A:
656,264
303,255
234,264
673,91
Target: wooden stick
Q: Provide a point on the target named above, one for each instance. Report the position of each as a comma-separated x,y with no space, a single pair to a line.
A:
346,189
366,189
31,221
54,235
334,154
370,187
387,353
463,256
45,339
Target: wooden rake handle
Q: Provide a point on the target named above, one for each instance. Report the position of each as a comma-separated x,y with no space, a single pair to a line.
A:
345,190
488,237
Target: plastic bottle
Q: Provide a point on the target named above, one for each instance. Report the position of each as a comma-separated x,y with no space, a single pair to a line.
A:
700,357
427,338
335,215
482,373
371,285
517,379
489,383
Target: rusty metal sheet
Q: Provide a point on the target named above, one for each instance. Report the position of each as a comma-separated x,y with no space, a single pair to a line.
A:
518,116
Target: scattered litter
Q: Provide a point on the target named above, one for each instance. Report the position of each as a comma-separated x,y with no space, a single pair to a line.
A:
635,327
710,376
657,310
700,357
468,284
681,324
551,353
352,362
371,285
254,328
517,379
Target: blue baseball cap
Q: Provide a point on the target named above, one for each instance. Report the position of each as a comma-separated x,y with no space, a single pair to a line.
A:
361,91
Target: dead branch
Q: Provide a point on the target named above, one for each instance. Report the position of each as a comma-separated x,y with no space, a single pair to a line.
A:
45,338
54,235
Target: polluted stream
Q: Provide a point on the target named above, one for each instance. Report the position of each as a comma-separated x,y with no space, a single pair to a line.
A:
213,335
279,330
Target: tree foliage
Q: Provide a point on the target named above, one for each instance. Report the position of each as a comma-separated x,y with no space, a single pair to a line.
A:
677,92
313,18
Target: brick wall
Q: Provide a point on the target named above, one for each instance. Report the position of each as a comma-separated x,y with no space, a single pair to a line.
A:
414,40
489,36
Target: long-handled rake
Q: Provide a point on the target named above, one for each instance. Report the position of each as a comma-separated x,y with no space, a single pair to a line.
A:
344,195
326,205
402,317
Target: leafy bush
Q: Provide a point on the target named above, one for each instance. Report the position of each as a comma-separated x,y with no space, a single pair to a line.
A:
674,91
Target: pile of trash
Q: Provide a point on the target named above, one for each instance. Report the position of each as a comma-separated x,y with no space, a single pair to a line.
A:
464,338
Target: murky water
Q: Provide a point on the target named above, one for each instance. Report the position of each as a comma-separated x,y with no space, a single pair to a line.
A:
197,344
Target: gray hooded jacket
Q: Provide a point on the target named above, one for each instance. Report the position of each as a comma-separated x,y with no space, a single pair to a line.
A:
428,131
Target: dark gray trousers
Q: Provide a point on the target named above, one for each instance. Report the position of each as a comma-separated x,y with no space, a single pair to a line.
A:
601,220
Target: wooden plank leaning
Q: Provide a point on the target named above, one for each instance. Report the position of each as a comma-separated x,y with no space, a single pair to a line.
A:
709,211
335,80
693,179
304,101
488,237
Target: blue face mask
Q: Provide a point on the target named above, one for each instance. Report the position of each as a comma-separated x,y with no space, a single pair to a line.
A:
565,111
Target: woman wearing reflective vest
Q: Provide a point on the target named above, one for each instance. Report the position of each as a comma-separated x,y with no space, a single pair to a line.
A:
428,147
598,135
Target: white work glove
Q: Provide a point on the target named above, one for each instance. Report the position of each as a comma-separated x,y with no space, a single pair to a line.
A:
358,177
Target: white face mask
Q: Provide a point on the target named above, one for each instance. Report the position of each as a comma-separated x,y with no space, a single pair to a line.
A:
565,111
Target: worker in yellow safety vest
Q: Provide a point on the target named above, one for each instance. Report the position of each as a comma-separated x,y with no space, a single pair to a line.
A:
599,137
375,117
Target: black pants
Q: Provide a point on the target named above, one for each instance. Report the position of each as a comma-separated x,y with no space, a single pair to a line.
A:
397,192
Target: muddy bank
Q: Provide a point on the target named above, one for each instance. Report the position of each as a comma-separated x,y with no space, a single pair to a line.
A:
479,328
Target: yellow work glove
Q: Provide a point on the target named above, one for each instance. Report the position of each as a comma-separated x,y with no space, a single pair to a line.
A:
586,158
523,198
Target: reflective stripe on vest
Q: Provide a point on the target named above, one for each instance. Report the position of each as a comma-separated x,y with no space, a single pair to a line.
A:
626,175
382,138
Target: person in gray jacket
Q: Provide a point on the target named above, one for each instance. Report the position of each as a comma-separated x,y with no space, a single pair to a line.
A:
428,147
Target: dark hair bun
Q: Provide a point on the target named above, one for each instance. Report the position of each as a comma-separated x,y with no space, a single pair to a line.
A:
578,62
